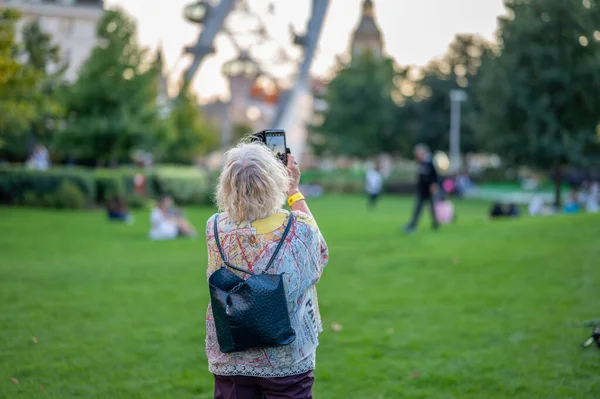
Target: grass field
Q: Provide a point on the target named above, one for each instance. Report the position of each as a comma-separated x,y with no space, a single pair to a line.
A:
91,310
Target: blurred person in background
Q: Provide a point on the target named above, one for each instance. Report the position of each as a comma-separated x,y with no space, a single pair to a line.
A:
496,211
592,198
374,184
572,204
168,222
253,186
427,185
464,185
449,186
39,158
499,210
116,210
512,210
537,207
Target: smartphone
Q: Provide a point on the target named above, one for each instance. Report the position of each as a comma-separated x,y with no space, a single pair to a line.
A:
274,139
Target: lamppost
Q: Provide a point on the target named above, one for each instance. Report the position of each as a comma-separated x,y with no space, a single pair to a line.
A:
241,73
456,98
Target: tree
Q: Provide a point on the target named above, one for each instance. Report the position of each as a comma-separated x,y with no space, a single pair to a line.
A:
539,96
112,105
427,110
241,130
190,133
359,119
44,57
42,54
18,84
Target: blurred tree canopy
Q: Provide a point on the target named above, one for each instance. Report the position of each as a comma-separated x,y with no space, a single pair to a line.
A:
26,110
427,109
241,130
374,107
359,119
111,108
190,134
43,56
539,95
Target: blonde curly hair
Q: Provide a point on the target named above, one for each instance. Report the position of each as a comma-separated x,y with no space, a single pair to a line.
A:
252,184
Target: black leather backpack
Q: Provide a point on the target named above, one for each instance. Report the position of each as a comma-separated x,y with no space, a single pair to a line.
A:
251,313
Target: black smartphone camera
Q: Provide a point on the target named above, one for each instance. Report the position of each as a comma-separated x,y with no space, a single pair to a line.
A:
274,139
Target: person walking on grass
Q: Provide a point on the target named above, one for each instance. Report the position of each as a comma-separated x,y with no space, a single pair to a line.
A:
373,185
427,186
252,187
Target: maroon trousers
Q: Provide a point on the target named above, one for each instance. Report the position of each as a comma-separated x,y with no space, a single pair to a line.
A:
241,387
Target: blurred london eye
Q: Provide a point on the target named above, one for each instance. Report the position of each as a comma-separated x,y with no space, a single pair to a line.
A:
267,80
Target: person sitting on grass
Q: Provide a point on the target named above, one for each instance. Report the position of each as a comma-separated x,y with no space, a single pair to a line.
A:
592,197
117,210
463,184
538,208
168,222
499,210
572,205
512,210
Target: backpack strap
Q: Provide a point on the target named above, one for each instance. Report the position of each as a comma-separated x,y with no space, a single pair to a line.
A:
281,241
279,245
216,230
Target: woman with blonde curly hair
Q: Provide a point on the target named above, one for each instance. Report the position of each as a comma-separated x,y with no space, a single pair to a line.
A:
252,188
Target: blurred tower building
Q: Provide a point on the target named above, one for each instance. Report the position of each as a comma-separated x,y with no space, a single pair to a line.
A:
367,36
71,23
253,99
163,100
241,74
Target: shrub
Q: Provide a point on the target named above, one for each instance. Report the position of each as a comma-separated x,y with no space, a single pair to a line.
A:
187,185
69,196
108,185
18,186
502,174
399,187
15,182
30,199
112,183
135,201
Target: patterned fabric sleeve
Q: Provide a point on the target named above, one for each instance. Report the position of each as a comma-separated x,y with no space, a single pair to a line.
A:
308,230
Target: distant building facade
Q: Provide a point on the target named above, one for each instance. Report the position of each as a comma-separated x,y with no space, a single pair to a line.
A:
253,99
163,100
71,23
367,36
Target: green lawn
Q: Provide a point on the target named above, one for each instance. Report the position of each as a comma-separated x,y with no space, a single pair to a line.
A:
90,309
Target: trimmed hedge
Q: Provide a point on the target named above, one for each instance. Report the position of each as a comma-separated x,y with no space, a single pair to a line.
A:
17,184
108,185
399,182
185,185
112,183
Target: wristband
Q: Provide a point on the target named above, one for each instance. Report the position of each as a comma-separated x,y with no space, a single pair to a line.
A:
295,198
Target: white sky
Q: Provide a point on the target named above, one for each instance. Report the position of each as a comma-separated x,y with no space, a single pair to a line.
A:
415,31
